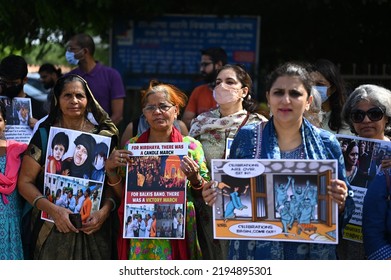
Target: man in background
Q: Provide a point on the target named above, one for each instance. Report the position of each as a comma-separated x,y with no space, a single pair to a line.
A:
105,82
13,77
95,201
201,98
49,75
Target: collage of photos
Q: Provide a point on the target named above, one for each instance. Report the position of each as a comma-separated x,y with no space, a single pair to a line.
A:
275,200
74,174
156,192
155,221
18,113
363,159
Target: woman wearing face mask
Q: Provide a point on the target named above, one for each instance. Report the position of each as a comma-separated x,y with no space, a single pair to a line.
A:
235,109
331,87
98,170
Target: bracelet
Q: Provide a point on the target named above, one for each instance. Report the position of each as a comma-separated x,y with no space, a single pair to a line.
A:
112,201
111,173
200,184
113,184
36,200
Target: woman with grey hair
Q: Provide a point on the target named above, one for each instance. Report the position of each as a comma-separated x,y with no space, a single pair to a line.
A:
376,218
367,111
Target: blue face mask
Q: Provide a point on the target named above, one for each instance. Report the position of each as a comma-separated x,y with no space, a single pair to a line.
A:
323,92
70,57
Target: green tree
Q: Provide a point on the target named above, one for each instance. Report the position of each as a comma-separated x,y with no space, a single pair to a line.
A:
346,32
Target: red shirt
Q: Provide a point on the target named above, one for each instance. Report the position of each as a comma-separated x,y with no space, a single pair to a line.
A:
201,100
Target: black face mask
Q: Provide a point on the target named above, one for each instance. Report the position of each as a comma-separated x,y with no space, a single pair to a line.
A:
13,91
49,85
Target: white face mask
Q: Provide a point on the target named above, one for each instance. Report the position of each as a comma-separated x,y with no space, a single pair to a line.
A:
323,92
70,57
224,94
99,162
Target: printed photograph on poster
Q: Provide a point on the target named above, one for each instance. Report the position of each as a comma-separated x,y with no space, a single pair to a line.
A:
155,199
284,200
74,174
228,143
363,158
18,113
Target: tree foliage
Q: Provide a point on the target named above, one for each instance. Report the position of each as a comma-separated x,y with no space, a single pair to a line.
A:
349,31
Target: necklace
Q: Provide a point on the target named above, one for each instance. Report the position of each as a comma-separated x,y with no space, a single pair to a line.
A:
83,126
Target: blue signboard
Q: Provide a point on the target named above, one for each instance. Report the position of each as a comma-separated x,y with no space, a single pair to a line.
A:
167,48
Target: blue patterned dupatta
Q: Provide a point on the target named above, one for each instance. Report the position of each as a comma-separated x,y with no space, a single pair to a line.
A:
317,144
314,147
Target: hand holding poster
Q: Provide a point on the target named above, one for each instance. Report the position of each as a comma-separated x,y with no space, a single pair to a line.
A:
155,191
284,200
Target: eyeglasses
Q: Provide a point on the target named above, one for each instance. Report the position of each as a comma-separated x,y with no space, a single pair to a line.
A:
161,107
74,49
374,114
205,64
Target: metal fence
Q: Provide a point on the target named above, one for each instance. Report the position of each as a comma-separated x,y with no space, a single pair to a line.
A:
355,75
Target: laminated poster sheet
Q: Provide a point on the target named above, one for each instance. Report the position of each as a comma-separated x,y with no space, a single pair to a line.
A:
155,198
283,200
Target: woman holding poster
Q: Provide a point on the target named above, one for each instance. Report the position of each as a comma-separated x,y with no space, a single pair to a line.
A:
214,129
367,112
72,100
161,106
288,135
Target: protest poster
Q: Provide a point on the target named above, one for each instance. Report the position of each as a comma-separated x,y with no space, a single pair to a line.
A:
155,199
281,200
74,170
18,112
363,157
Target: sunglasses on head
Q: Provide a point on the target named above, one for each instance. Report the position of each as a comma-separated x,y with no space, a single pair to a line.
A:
374,114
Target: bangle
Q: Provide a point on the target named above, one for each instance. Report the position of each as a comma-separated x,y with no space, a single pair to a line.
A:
112,201
199,185
113,184
111,173
36,200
